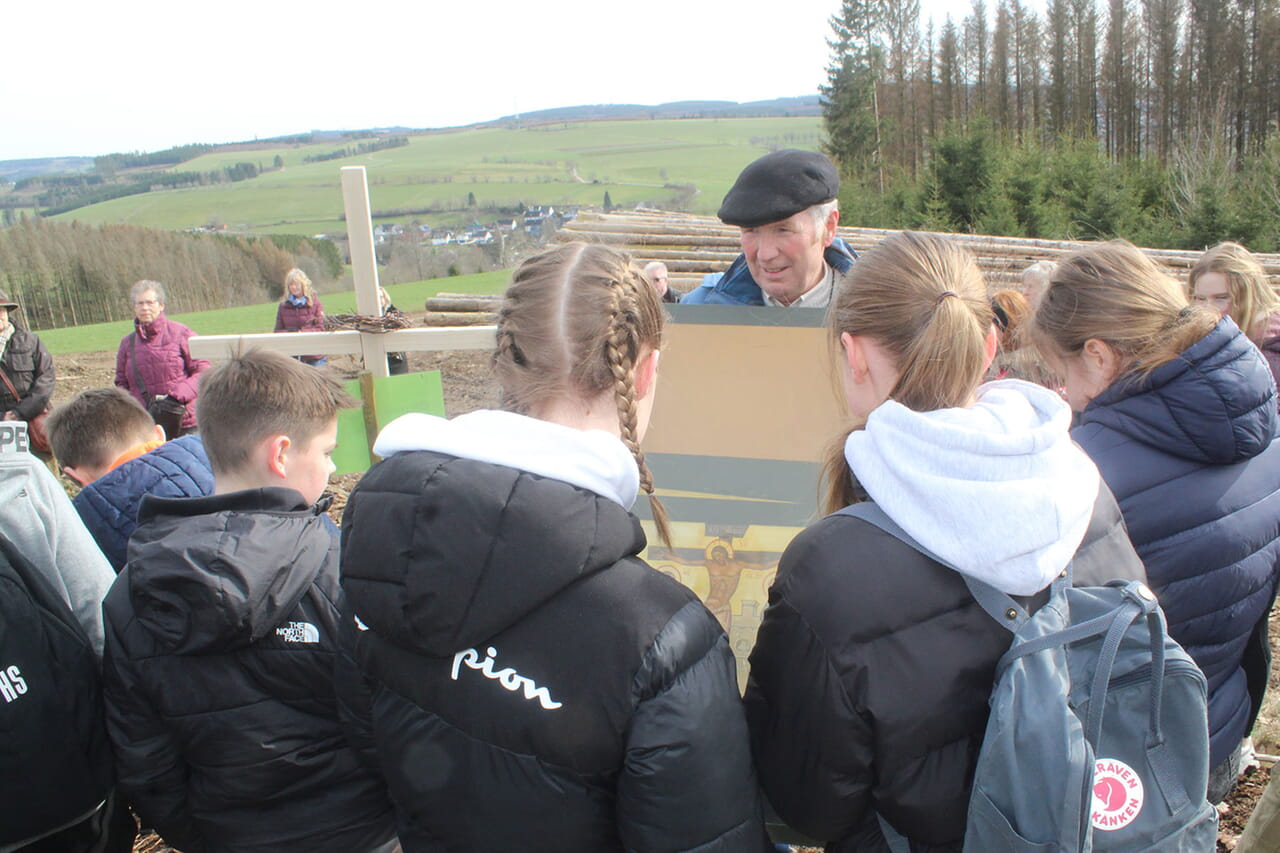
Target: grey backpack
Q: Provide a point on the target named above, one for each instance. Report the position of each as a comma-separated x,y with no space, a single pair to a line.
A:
1098,738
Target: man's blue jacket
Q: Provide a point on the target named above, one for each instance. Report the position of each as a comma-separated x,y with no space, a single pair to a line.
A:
109,505
737,287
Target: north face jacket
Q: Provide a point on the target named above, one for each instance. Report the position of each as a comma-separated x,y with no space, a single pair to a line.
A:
109,505
528,682
1190,453
161,354
218,674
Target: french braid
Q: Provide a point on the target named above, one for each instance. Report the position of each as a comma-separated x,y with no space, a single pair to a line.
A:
621,349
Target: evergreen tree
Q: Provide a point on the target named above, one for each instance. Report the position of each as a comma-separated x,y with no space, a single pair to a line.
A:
850,109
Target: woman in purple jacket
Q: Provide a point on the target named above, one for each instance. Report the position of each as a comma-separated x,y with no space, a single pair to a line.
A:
300,311
154,360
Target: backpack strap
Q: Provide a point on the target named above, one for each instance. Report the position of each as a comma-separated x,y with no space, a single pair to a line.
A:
999,605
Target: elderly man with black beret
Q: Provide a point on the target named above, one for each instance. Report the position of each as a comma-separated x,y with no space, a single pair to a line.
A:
785,204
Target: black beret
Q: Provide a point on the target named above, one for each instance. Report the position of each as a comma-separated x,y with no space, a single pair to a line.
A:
778,185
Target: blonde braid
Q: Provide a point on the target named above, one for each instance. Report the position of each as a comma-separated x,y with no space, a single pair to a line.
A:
620,345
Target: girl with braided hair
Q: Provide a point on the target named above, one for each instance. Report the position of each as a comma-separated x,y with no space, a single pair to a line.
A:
521,677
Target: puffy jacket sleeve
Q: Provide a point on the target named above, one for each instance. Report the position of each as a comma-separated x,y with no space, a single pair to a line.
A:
355,699
280,319
315,316
687,781
813,748
149,768
39,517
123,379
184,390
36,398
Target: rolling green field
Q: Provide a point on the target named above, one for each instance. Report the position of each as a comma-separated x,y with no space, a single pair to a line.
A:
261,318
576,163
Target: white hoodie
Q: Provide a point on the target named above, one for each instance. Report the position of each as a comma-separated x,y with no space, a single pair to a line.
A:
997,489
592,459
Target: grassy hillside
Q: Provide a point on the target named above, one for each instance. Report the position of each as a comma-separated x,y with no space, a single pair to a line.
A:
567,163
245,319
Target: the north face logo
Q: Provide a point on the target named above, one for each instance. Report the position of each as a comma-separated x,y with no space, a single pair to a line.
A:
1117,794
12,684
298,632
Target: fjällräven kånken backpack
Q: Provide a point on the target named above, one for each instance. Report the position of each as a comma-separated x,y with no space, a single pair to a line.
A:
1098,738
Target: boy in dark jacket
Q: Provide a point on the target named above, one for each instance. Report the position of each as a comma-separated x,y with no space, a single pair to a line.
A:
221,635
105,441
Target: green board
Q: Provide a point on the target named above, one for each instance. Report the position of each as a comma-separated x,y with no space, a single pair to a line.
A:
393,396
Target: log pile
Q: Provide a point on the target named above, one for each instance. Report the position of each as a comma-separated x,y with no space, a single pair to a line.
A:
462,309
692,246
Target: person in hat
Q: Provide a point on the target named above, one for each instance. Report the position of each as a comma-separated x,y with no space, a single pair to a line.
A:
27,366
785,204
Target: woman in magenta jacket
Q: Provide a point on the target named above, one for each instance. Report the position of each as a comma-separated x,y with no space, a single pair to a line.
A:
300,311
154,360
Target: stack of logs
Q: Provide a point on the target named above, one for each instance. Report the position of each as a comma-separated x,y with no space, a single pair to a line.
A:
462,309
692,246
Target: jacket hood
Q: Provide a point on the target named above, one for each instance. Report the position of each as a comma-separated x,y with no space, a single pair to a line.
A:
1215,404
593,459
446,548
997,489
210,574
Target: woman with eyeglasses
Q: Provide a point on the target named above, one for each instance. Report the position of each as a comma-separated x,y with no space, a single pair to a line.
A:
1228,279
155,365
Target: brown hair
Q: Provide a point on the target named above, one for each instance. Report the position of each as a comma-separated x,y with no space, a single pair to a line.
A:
1253,300
921,298
96,426
258,394
1011,311
571,325
1115,293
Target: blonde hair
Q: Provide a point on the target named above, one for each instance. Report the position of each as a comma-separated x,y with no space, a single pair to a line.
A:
1253,300
571,325
1116,294
299,276
923,300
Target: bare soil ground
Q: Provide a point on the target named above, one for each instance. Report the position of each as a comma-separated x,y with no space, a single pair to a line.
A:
468,385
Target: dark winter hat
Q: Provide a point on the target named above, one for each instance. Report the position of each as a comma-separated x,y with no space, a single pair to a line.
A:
6,302
778,185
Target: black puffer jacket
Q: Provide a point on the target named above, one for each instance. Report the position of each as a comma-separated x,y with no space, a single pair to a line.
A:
219,680
30,368
870,679
529,683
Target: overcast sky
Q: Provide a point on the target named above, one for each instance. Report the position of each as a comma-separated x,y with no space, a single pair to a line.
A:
84,78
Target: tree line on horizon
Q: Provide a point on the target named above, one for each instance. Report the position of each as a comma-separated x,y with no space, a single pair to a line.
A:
1154,120
71,274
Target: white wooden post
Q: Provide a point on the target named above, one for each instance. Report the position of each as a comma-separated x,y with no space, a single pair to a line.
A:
364,263
372,347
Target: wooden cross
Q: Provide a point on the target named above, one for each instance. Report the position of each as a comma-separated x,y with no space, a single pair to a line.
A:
371,347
